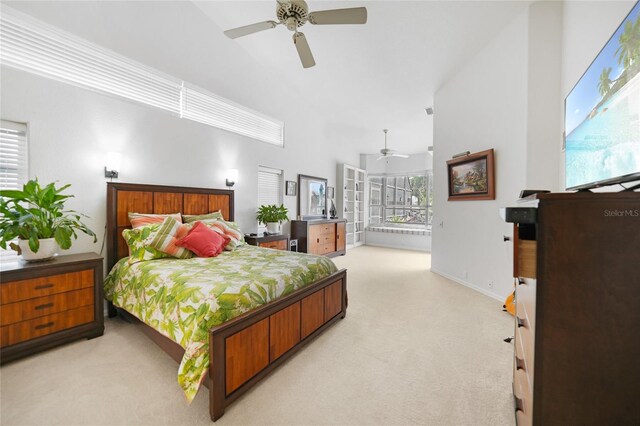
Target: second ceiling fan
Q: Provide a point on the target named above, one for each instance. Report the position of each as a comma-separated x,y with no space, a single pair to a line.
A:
294,14
386,152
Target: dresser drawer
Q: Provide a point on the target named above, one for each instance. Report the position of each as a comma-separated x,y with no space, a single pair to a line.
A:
526,255
27,330
33,308
15,291
278,245
323,229
523,399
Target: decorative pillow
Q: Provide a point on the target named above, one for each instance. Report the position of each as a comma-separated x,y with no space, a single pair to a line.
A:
142,219
229,229
139,248
203,241
165,238
190,218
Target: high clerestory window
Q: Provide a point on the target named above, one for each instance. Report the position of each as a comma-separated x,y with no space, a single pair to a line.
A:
39,48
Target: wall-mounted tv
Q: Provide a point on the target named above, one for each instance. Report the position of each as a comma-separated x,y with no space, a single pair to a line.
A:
602,114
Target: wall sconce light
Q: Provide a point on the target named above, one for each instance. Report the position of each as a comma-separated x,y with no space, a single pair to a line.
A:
113,165
232,177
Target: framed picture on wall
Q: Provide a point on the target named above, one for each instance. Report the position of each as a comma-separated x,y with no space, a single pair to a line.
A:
291,187
471,177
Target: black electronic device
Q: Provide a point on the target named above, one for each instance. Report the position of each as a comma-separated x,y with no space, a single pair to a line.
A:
528,192
521,214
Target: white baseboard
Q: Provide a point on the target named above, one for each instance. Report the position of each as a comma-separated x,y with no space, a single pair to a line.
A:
471,286
398,246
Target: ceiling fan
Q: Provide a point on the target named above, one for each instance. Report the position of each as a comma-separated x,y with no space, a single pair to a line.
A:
294,14
386,152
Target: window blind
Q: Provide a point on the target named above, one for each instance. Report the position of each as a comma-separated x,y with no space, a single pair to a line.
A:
39,48
33,46
13,155
269,186
208,108
13,164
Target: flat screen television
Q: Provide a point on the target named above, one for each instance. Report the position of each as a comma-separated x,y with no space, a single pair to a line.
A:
602,114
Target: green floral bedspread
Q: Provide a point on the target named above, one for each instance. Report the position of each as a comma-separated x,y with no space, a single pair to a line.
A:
184,298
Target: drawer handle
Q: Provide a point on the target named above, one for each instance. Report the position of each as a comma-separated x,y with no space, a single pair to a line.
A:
43,306
521,281
521,322
41,326
519,404
506,238
43,286
318,240
519,364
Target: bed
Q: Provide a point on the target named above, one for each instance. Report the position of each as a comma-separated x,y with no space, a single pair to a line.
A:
290,299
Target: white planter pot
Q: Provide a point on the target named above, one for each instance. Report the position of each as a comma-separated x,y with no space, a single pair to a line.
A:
273,228
48,249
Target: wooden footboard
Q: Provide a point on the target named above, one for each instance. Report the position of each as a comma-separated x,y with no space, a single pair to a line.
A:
246,349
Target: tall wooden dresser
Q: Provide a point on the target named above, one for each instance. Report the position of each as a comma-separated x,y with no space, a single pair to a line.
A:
46,304
577,338
321,236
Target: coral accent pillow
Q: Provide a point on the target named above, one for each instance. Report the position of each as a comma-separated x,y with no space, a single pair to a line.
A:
142,219
228,229
204,242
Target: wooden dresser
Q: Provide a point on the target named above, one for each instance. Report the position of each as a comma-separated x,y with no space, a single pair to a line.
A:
273,241
46,304
577,344
322,236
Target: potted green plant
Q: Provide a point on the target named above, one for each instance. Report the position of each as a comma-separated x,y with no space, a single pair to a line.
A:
37,218
272,216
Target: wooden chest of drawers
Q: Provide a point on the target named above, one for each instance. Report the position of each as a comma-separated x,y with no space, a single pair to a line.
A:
46,304
323,236
577,305
276,241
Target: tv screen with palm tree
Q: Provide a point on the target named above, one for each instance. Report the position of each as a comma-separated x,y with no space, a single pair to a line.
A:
602,113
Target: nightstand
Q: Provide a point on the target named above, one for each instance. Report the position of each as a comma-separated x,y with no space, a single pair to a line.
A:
46,304
274,241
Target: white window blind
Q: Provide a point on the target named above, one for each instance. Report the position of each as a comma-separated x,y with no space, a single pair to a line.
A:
208,108
13,164
269,186
13,155
34,46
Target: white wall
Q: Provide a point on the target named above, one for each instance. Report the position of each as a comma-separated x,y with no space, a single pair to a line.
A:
483,106
510,98
71,129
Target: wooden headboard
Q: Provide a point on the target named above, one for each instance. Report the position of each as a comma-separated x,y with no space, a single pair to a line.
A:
123,198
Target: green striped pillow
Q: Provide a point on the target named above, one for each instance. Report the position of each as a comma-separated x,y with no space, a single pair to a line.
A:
190,218
165,237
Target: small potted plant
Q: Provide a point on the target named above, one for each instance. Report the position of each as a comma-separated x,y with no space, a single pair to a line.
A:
37,218
272,216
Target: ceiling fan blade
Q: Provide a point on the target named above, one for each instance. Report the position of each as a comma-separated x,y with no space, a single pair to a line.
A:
354,15
381,157
250,29
306,57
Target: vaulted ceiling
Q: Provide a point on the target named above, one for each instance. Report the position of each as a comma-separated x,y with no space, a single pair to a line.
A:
378,75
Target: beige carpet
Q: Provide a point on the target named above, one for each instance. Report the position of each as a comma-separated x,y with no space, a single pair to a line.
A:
414,348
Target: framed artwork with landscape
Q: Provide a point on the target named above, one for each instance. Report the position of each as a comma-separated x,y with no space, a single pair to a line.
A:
471,177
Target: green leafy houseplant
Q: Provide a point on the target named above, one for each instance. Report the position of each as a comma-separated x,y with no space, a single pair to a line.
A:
272,213
37,213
